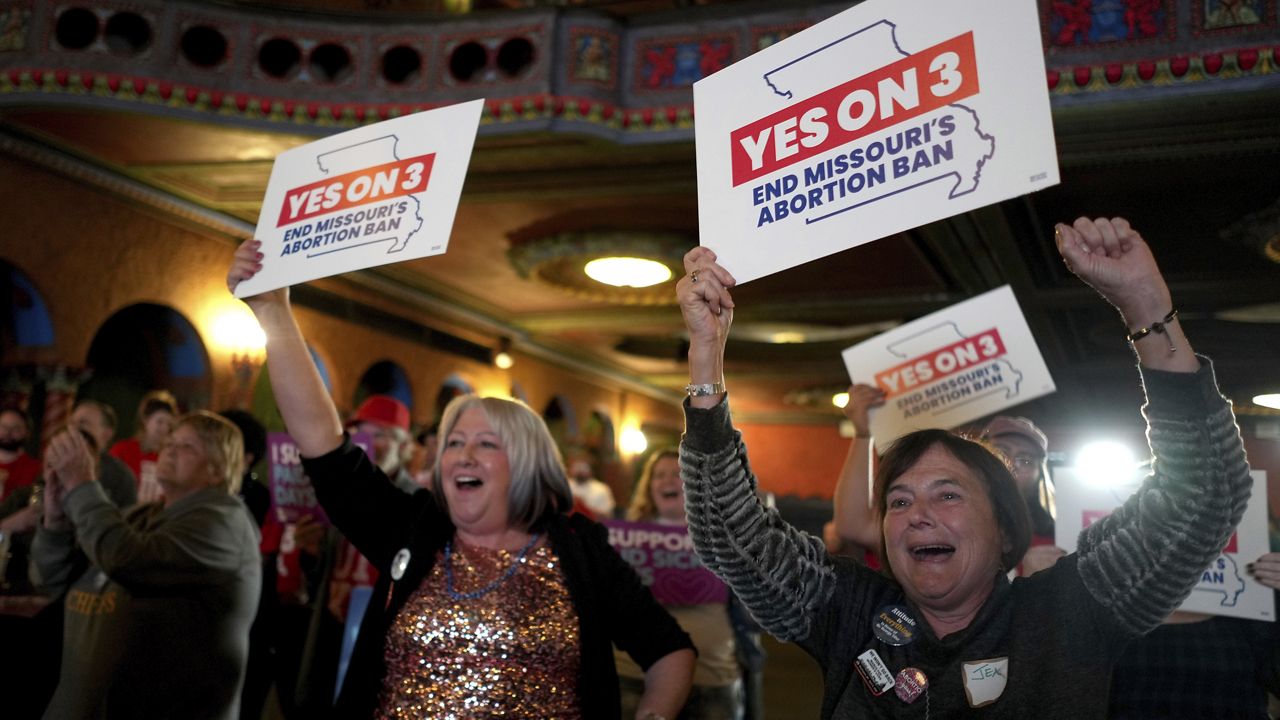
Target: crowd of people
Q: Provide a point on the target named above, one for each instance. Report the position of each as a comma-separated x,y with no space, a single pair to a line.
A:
470,557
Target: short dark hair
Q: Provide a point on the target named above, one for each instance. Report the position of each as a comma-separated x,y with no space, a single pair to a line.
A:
1002,490
254,433
157,401
107,412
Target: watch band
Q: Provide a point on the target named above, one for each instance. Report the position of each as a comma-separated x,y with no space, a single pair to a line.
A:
704,389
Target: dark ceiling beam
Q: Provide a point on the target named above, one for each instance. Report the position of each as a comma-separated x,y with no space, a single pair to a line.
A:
1164,126
1014,253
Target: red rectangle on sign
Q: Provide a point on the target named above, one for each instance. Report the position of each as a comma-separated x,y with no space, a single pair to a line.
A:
1089,517
940,363
910,87
353,189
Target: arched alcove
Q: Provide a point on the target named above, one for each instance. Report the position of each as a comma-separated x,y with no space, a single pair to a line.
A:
263,404
145,347
384,378
24,317
452,387
561,421
600,437
517,392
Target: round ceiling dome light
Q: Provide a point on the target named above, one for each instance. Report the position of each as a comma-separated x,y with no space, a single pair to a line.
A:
634,267
627,271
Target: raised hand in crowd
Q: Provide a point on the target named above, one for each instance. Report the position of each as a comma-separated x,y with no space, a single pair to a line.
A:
707,307
1112,258
854,518
71,459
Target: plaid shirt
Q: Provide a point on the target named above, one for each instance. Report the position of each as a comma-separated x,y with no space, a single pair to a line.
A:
1219,668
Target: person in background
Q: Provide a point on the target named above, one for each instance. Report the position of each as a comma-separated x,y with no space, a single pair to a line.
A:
386,420
593,494
854,518
944,627
259,671
1026,451
157,412
717,677
159,598
426,445
99,420
17,468
253,491
519,600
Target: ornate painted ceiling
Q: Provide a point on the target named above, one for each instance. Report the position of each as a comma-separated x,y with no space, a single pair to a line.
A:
1165,112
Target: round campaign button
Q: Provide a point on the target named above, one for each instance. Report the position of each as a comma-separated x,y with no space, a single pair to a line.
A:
399,563
894,624
909,684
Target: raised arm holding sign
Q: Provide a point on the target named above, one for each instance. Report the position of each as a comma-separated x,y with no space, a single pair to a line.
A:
953,521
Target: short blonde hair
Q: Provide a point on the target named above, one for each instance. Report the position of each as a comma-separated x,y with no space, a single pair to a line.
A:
642,507
539,488
223,446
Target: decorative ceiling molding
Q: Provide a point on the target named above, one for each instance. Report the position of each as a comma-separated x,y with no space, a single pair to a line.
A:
135,191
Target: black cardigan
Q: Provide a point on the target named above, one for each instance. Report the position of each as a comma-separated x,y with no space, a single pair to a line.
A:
612,604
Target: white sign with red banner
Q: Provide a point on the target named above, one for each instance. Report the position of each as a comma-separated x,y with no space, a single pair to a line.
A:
890,115
1225,588
970,360
370,196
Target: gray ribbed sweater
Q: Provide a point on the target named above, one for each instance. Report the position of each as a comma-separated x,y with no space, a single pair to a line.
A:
1061,629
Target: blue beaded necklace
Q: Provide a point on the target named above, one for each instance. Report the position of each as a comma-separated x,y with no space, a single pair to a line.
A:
448,572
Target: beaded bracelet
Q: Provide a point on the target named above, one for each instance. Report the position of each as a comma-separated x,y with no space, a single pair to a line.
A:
1157,327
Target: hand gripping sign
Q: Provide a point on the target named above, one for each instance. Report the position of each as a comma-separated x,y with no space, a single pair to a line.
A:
970,360
370,196
887,116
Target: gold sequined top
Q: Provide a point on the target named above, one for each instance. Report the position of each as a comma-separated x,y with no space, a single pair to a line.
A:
511,653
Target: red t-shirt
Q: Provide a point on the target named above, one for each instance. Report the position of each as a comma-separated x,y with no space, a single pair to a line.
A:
21,472
130,453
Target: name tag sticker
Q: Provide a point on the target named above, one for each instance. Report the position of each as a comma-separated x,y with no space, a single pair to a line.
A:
984,680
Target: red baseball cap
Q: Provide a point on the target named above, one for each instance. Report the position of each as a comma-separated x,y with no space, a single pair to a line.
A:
382,410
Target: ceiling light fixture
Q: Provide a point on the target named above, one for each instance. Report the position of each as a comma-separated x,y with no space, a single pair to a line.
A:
502,359
840,399
648,261
627,271
1269,400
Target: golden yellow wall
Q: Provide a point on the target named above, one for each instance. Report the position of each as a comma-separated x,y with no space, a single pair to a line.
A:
91,253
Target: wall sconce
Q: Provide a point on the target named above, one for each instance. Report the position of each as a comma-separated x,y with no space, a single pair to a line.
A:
502,359
632,441
238,332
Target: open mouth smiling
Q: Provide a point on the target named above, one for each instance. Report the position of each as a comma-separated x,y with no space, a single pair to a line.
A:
468,482
932,553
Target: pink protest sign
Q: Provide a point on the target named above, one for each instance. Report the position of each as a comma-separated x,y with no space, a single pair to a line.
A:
292,496
663,556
